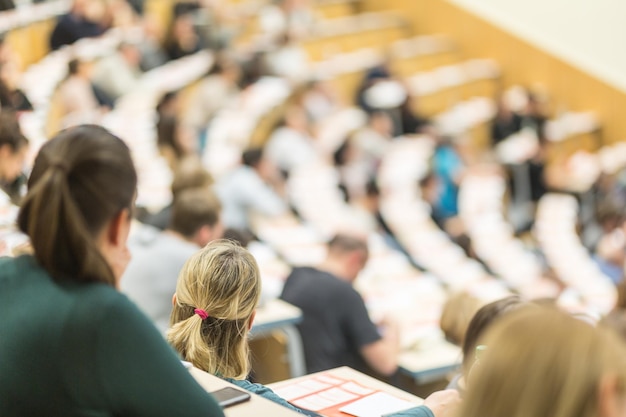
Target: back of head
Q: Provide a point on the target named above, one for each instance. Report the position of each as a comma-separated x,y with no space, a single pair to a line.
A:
190,173
345,243
252,157
194,208
485,317
223,281
456,314
81,180
541,362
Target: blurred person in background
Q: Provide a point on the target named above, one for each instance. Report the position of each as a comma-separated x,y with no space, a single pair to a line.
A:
411,122
13,152
11,96
505,123
158,256
6,5
250,189
118,73
484,318
175,140
182,38
288,60
336,328
77,95
213,93
86,19
319,101
372,141
291,144
189,174
448,168
456,315
150,49
543,363
169,105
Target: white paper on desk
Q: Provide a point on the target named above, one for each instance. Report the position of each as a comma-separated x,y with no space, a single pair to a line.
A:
376,405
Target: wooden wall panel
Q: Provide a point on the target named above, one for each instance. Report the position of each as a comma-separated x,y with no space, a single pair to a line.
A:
569,87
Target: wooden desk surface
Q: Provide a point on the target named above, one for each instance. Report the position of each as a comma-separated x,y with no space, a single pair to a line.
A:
257,406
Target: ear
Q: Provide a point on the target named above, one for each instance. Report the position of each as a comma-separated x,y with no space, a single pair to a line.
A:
174,299
251,321
117,232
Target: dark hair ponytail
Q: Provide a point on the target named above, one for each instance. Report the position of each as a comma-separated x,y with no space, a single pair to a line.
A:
81,180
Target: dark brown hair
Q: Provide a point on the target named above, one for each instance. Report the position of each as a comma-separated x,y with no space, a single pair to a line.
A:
194,208
10,133
484,318
81,179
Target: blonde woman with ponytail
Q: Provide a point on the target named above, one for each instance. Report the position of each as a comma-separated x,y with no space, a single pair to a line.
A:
214,307
70,343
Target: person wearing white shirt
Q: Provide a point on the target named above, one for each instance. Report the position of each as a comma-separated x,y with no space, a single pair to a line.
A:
246,190
291,144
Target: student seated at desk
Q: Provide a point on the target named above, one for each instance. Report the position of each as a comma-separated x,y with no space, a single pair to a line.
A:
214,306
336,329
72,345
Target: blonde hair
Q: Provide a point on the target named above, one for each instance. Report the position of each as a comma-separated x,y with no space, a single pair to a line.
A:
541,362
223,280
456,315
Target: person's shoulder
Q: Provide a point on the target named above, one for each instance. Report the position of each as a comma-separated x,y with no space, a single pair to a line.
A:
99,303
303,272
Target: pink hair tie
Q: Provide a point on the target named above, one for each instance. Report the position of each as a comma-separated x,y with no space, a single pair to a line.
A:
203,314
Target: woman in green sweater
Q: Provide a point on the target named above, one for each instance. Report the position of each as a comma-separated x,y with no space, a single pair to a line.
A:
70,343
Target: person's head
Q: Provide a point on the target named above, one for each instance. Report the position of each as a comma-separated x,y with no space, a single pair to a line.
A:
196,216
223,281
77,209
227,68
381,122
130,53
295,118
456,315
485,317
264,167
348,255
543,363
173,135
169,104
13,147
190,173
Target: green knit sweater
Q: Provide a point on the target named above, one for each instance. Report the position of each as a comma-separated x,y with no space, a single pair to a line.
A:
69,349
